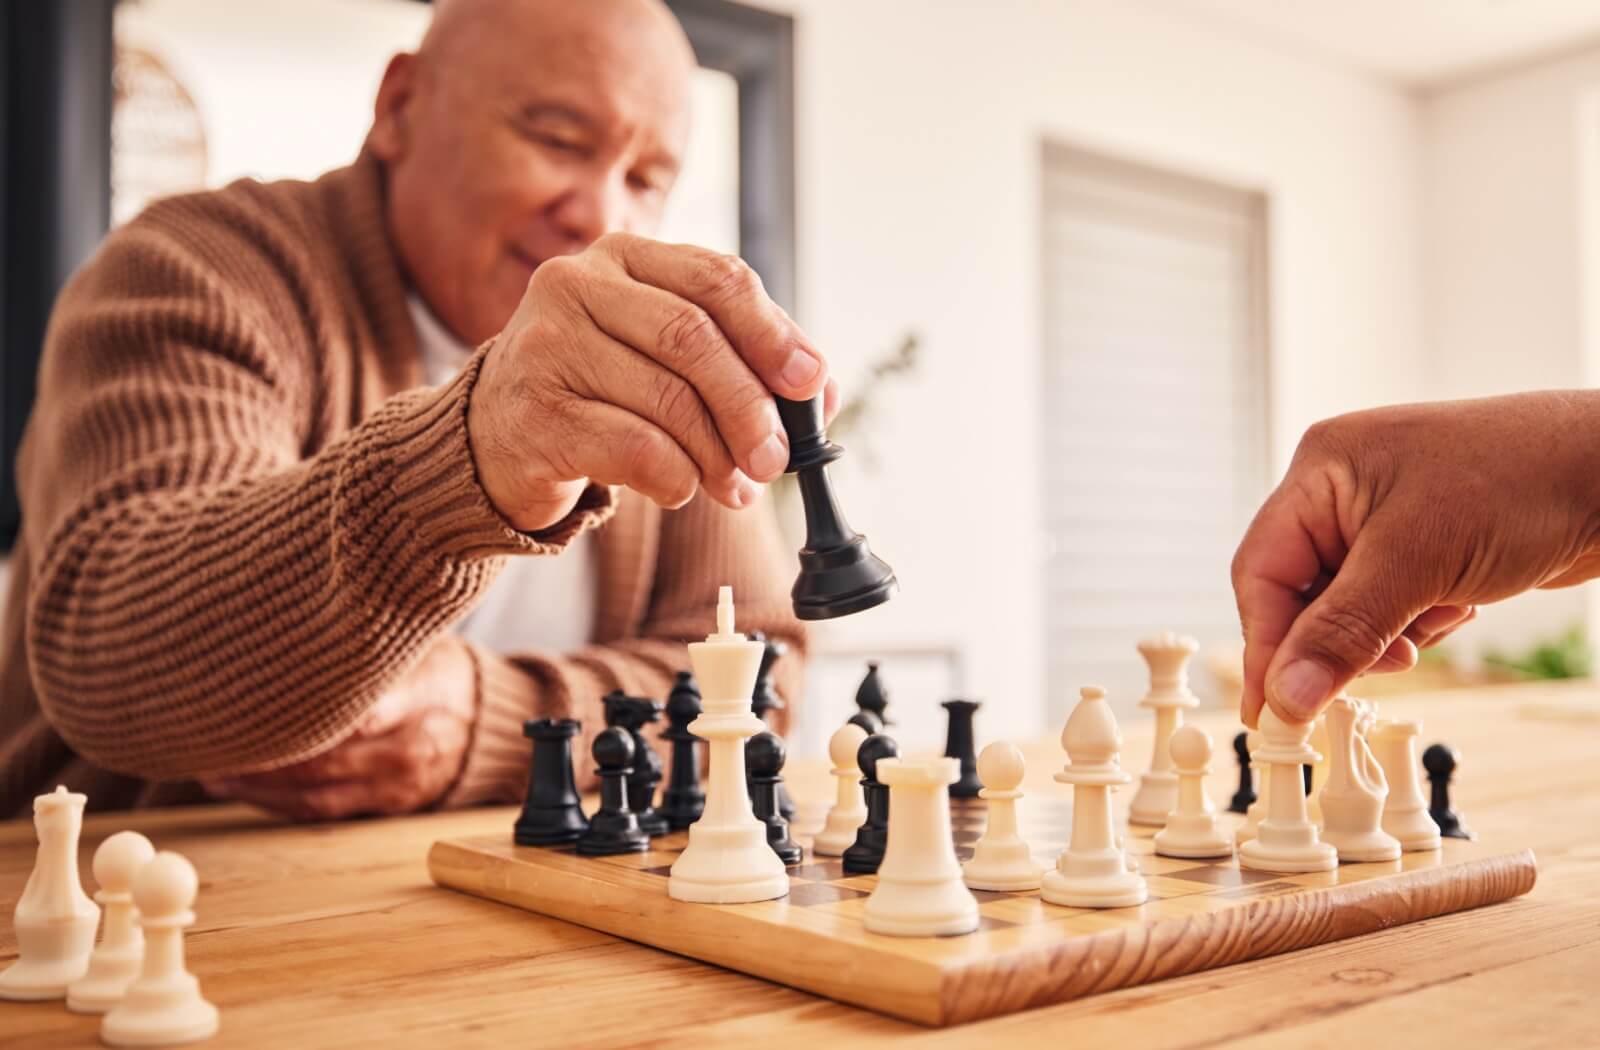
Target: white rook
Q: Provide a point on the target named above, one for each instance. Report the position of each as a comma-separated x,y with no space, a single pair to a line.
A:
919,891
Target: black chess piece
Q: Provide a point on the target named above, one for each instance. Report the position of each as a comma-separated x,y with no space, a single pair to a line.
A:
872,696
551,814
863,856
1305,774
838,574
1240,803
765,698
960,744
614,828
684,800
868,721
1440,761
763,757
632,713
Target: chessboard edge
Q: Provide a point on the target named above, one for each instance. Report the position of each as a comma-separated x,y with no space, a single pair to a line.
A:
1182,945
907,990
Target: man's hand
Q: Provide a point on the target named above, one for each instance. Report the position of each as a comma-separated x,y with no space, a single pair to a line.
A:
642,364
402,757
1392,525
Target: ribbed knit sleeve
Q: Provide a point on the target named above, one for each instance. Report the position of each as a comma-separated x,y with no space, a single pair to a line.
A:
206,597
702,547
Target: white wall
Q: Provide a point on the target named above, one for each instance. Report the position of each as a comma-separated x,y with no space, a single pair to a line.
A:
1504,260
919,133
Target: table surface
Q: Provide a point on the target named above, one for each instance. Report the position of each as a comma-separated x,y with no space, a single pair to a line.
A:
332,936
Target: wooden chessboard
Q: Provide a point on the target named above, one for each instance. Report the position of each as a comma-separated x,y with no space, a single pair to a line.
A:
1026,953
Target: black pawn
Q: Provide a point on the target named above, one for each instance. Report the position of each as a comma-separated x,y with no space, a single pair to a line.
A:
763,757
960,744
683,801
551,815
765,698
863,856
871,695
632,713
614,828
1246,794
1440,762
868,721
1305,775
838,574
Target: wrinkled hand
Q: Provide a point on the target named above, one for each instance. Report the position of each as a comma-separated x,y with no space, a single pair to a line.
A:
642,364
1392,525
402,757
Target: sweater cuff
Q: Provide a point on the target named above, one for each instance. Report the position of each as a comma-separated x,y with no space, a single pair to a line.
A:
439,490
498,755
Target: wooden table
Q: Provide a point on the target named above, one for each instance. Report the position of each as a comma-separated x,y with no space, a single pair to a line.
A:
332,936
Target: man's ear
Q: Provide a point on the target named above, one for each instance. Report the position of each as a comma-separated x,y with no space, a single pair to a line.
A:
389,135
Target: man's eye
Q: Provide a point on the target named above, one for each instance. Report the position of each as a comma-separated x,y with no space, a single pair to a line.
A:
558,143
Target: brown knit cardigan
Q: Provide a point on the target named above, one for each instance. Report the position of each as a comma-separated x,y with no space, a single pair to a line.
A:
243,518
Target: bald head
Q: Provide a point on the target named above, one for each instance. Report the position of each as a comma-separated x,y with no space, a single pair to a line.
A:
522,130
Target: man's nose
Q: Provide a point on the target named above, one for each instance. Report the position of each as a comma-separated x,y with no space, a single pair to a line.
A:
593,207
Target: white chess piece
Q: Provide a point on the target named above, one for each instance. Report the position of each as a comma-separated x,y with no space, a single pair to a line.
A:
919,891
54,919
727,860
1257,810
116,960
1168,657
1405,812
849,809
1093,871
1001,859
1287,840
1352,797
163,1006
1192,829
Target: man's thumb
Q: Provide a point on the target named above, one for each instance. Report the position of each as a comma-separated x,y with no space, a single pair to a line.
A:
1343,632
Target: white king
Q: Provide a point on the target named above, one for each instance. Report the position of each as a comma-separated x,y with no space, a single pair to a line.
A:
727,860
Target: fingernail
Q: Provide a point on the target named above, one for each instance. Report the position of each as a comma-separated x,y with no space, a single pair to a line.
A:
1301,688
769,458
801,368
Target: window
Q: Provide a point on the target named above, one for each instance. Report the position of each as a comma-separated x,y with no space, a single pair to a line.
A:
1155,411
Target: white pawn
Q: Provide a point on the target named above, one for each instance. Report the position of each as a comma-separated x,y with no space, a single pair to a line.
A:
1192,829
54,919
1352,796
163,1005
1093,871
1257,810
1287,840
919,891
1001,859
115,962
1405,811
849,811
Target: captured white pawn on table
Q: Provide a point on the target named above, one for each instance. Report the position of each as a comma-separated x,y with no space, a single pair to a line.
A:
116,959
163,1006
1001,859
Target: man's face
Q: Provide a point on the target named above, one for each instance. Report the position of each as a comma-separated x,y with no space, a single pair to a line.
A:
530,130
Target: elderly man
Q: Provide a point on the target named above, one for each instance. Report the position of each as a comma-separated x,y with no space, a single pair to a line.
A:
288,537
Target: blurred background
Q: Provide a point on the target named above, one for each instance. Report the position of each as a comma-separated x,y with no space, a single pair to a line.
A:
1087,269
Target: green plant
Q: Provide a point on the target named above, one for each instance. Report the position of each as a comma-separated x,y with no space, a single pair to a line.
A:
1568,656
